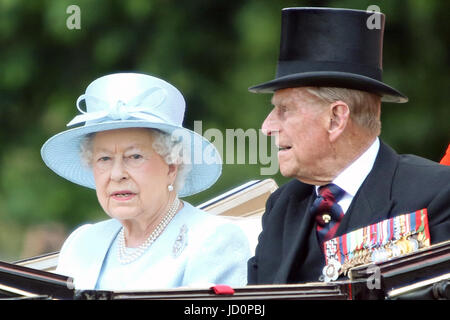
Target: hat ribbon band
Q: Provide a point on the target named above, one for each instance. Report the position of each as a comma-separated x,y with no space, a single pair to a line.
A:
140,107
290,67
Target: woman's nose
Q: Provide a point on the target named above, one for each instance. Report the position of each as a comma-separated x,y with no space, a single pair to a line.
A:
119,170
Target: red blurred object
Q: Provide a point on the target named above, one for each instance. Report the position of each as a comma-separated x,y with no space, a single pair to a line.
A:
446,159
222,289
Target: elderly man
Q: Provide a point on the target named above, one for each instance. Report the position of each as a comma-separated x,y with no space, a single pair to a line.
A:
326,119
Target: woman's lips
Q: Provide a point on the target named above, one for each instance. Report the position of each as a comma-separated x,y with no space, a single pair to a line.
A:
123,195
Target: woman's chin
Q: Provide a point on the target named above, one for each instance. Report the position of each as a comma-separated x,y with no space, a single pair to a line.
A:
122,213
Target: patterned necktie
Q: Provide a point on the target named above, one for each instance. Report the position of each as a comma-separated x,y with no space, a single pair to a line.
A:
328,213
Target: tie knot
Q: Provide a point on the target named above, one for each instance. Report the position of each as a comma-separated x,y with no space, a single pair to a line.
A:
328,213
331,192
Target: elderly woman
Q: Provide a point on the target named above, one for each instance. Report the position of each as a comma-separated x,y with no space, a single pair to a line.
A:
134,152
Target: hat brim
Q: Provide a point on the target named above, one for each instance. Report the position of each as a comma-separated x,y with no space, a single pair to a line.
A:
61,153
332,79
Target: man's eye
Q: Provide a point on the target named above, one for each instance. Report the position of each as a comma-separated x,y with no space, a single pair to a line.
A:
281,109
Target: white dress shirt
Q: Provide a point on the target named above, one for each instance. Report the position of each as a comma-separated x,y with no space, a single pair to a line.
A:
354,175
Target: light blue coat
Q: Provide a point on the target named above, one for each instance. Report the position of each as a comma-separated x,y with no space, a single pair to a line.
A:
195,250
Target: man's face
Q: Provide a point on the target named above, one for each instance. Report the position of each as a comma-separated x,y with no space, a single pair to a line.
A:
300,124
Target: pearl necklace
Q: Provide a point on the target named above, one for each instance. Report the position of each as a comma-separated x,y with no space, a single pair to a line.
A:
127,257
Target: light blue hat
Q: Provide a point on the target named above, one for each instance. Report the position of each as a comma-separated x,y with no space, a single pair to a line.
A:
132,100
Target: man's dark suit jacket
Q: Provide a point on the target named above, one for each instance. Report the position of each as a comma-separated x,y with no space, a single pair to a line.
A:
288,250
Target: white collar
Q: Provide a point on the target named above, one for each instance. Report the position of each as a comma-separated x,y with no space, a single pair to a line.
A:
354,175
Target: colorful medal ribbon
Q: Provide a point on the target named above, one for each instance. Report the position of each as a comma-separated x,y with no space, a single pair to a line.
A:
376,243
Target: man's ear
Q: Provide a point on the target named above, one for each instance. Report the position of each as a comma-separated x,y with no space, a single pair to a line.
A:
339,113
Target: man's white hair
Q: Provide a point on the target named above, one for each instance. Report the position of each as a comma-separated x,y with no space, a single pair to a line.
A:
166,145
364,106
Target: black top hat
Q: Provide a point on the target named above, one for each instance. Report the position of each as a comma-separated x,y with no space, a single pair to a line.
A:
328,47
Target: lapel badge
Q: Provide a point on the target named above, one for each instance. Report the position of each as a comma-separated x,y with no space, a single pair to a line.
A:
326,217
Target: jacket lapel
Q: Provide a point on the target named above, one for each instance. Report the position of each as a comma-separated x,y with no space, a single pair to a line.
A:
373,201
297,229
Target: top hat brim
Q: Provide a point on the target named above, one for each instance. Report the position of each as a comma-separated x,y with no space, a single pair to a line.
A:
332,79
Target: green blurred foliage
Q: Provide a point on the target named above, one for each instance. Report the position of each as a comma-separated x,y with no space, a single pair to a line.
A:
212,51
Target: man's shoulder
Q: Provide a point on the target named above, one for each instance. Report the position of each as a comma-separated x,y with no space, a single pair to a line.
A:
409,168
415,181
421,170
417,161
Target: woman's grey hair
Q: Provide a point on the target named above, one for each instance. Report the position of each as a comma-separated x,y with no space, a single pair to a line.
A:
166,145
364,106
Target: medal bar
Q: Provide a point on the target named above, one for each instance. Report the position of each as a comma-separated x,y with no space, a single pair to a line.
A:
378,242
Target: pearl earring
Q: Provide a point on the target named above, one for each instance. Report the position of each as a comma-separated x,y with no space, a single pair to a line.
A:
170,187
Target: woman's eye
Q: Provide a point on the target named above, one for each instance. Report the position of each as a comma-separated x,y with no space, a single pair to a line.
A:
134,160
103,159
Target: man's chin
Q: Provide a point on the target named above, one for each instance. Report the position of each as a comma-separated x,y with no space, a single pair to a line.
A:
290,173
287,172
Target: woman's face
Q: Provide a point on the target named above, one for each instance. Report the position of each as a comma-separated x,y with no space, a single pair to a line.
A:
131,178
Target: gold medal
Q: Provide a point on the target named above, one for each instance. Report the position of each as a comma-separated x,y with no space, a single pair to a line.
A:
345,267
367,256
388,253
402,244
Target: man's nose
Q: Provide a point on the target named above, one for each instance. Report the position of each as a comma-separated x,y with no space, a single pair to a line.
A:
269,126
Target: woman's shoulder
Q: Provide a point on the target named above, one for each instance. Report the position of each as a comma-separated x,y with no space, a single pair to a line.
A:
85,247
89,232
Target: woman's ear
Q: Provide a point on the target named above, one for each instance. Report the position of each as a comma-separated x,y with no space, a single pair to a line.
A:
172,173
339,113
